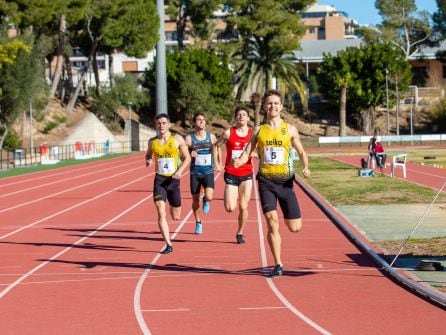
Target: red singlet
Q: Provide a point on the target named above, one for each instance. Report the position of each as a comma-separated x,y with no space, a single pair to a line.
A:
234,147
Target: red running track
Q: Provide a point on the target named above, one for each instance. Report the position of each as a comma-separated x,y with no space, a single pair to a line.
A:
80,249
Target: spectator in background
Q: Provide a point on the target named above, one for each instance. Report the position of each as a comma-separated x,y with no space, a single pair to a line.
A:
378,153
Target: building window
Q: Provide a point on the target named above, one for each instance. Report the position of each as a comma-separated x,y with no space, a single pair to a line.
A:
311,30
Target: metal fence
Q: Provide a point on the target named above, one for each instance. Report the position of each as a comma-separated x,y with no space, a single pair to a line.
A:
52,154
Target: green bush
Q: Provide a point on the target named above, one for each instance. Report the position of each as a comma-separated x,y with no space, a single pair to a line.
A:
12,141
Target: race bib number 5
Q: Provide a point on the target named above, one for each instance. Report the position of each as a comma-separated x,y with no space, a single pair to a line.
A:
274,155
166,166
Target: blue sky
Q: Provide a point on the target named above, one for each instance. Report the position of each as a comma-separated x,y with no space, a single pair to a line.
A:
364,11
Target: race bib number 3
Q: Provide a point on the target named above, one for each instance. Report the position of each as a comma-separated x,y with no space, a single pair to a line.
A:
203,160
274,155
166,166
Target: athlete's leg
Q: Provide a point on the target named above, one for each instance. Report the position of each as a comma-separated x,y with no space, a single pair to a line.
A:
231,197
162,221
274,239
244,192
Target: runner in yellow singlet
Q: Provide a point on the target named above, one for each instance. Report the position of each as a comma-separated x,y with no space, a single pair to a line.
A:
274,141
170,155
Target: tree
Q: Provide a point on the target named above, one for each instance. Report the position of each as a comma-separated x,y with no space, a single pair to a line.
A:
20,81
48,20
402,25
117,24
196,12
195,76
335,76
269,32
363,71
439,19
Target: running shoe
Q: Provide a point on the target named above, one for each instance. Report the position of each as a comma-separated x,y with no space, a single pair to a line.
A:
277,271
240,239
206,206
198,228
167,250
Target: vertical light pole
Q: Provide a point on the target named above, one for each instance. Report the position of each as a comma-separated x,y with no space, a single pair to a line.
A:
397,108
387,102
130,126
161,77
31,142
411,120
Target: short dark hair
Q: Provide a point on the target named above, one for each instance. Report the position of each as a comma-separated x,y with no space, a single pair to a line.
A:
241,108
159,116
194,118
269,93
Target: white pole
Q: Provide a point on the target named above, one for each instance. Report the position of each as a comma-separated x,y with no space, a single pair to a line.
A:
130,126
31,142
387,102
411,120
161,75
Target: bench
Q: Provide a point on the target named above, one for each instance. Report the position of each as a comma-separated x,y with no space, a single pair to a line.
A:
398,160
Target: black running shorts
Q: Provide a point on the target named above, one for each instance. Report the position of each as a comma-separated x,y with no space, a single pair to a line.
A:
230,179
198,180
167,188
271,192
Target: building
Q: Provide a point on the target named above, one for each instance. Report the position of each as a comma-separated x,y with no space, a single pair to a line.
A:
324,22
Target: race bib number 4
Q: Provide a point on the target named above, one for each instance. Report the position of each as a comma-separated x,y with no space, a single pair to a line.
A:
203,160
274,155
166,166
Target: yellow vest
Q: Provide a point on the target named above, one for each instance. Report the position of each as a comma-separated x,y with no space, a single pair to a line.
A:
167,156
274,149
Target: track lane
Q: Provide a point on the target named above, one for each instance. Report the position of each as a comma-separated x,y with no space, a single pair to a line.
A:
91,288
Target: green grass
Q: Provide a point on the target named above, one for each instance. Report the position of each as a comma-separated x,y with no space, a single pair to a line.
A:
340,184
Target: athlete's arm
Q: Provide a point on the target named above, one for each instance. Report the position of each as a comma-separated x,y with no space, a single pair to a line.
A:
252,145
149,153
216,152
297,145
184,156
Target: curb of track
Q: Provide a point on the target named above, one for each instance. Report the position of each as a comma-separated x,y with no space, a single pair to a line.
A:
384,267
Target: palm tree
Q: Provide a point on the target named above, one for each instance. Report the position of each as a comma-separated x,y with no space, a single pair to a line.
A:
257,63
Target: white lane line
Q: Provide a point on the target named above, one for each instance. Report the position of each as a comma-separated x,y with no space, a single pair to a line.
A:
41,265
68,209
262,308
270,281
67,190
137,296
167,310
138,289
32,177
76,176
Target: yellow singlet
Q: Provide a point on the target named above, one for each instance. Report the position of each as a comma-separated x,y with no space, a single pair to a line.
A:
274,149
167,156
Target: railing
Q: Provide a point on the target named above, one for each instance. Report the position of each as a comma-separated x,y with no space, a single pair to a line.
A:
398,139
24,157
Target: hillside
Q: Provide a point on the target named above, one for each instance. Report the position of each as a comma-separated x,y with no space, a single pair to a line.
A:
56,123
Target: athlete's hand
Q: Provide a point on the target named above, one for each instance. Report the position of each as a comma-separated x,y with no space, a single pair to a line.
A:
193,153
306,172
149,162
176,175
218,167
